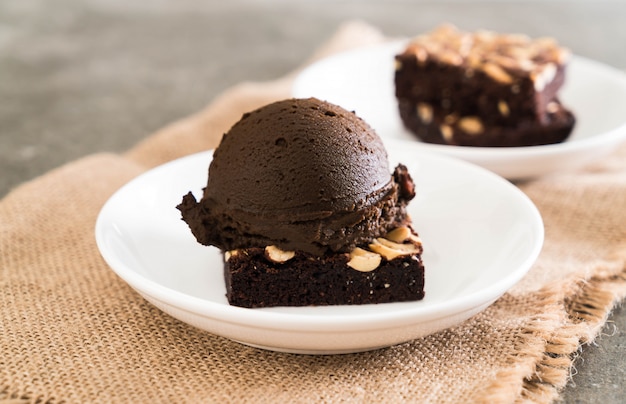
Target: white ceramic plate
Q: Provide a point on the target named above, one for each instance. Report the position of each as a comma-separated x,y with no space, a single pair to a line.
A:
480,233
362,81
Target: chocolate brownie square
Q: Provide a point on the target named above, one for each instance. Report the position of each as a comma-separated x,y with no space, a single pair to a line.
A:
482,89
389,269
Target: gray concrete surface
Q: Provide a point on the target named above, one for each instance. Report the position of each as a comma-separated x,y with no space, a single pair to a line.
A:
84,76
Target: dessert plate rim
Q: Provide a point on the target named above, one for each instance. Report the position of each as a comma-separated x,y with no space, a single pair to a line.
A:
369,92
140,219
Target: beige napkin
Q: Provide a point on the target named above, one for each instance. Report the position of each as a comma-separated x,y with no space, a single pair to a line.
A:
72,331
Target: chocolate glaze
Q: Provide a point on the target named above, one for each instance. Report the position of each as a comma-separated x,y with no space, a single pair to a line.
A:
301,174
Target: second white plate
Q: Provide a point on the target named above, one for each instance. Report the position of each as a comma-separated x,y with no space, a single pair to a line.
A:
480,233
362,81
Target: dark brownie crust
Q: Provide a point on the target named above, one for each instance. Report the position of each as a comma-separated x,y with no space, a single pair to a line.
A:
253,280
528,132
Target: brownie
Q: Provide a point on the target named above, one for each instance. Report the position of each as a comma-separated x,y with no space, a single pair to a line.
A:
470,132
483,89
382,272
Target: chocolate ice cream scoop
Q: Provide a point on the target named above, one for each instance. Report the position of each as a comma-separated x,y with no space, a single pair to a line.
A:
300,174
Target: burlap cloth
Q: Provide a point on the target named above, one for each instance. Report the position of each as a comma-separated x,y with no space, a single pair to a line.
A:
72,331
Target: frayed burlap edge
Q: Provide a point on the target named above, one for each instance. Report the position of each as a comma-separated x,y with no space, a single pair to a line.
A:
583,316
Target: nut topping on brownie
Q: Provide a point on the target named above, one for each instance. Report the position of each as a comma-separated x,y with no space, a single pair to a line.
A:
386,270
500,56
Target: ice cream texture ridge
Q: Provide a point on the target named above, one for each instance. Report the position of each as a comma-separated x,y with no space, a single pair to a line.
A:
302,175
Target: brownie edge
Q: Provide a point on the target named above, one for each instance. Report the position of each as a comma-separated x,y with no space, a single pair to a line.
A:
254,281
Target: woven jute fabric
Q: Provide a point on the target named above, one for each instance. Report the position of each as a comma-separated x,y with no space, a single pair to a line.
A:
71,331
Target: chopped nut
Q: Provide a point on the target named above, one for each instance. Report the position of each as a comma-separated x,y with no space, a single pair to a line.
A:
229,254
552,107
562,55
416,240
526,65
421,54
539,84
520,52
446,133
545,76
399,234
450,58
497,73
406,248
485,35
465,44
471,125
391,250
503,107
385,251
514,62
277,255
433,48
475,60
425,112
506,62
363,260
402,234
